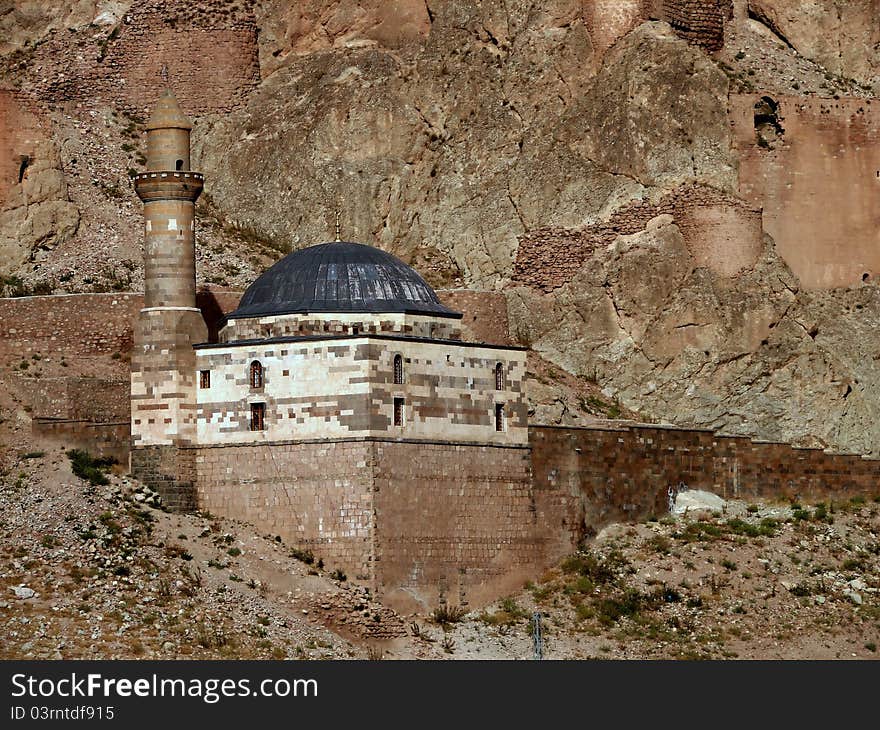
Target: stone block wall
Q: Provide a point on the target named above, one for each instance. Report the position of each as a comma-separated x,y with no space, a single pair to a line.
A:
100,439
74,325
310,389
814,170
700,22
457,523
420,523
81,398
307,325
170,471
210,49
623,473
343,386
22,129
103,324
163,376
315,495
722,233
484,314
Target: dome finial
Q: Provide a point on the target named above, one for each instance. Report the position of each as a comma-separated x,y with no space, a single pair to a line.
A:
337,224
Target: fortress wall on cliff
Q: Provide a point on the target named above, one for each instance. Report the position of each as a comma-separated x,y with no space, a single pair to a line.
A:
210,51
813,164
700,22
722,233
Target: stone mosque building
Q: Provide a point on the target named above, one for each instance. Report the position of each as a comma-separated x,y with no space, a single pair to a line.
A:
339,408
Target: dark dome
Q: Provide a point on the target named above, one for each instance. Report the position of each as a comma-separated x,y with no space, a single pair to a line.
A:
340,277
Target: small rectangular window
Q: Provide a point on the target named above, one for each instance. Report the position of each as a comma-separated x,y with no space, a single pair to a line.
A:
499,416
258,416
204,379
398,411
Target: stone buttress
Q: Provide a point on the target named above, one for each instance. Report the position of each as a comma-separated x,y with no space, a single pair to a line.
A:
163,398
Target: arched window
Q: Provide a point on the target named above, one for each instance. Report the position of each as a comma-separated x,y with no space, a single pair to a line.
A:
256,374
398,370
499,376
178,165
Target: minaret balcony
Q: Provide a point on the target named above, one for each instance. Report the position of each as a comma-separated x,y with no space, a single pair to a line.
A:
170,185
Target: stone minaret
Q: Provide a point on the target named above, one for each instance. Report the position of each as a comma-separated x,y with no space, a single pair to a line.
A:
163,377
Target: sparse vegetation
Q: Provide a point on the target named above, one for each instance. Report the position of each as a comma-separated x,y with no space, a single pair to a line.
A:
92,469
446,614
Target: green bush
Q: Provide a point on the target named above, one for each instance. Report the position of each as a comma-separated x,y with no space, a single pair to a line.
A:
589,566
90,468
627,604
766,528
446,614
699,532
304,556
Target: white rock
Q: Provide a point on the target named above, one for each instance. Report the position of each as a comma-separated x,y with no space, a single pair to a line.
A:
856,598
857,584
23,592
697,499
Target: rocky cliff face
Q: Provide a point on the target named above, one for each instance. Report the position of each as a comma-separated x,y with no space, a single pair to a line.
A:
841,35
583,157
749,354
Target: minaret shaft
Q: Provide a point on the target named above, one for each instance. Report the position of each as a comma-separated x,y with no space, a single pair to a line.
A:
163,382
169,191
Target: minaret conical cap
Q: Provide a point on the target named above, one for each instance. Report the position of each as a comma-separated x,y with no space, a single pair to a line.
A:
167,114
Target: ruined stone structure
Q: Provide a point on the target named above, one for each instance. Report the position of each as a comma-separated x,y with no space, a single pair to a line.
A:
209,49
34,205
814,167
700,22
722,234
